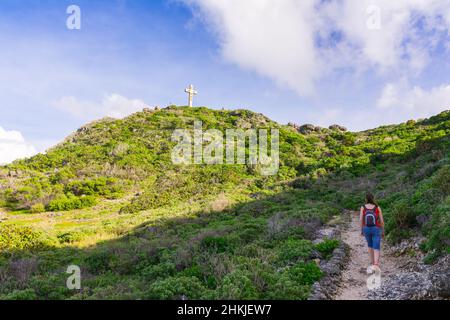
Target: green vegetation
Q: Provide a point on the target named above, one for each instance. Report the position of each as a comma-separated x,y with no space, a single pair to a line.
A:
66,203
327,247
110,200
15,238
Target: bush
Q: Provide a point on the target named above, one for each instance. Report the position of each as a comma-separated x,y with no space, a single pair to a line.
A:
249,232
403,215
327,247
441,180
161,270
175,288
287,289
148,200
399,219
66,203
294,249
438,239
121,290
294,283
13,238
37,208
107,187
305,273
217,244
193,271
236,286
51,287
28,294
70,237
100,261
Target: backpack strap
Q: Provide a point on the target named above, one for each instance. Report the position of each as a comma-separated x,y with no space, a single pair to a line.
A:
364,211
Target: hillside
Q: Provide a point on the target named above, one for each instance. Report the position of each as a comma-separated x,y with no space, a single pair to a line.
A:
110,200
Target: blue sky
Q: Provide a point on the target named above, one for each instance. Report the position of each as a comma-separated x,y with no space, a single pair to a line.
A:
314,62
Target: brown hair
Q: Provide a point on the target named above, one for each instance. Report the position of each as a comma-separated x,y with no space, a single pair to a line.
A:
370,199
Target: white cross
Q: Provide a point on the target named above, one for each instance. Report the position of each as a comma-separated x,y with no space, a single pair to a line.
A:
191,92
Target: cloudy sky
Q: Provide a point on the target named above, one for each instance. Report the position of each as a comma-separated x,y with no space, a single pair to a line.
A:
353,62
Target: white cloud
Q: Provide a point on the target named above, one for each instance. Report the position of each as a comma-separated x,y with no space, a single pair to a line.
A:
409,30
402,99
112,105
13,146
296,43
273,38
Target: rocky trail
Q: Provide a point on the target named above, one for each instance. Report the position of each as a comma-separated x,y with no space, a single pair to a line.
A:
354,276
403,274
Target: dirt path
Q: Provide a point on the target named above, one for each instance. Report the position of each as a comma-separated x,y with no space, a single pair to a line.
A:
353,286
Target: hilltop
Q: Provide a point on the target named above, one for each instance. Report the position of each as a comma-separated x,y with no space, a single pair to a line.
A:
110,200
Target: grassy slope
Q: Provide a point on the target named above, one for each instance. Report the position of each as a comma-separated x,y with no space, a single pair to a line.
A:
162,231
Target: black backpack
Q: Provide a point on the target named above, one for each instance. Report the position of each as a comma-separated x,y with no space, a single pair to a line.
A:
370,216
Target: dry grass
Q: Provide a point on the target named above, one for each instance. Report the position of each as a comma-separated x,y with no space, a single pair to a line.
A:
221,203
23,269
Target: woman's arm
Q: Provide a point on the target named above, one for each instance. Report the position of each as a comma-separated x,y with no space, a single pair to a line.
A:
381,221
381,217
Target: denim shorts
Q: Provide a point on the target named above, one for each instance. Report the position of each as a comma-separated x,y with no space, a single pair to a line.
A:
373,237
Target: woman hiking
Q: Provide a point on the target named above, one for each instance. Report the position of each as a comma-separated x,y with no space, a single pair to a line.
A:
372,227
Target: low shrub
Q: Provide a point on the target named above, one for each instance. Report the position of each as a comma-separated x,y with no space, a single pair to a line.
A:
441,180
66,203
107,187
285,288
50,287
37,208
294,249
236,286
327,247
99,261
27,294
145,201
70,237
13,238
438,233
218,244
161,270
176,288
294,283
403,215
305,273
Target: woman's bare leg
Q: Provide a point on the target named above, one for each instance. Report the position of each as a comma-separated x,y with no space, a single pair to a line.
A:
371,256
376,254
